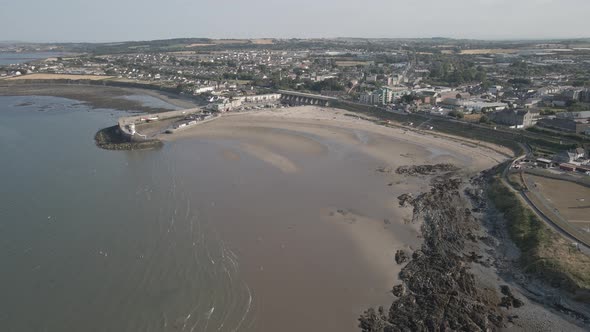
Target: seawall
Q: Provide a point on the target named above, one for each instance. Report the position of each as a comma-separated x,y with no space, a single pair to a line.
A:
126,122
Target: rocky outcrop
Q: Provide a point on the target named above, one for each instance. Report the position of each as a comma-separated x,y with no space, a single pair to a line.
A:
438,292
425,169
401,257
111,139
509,300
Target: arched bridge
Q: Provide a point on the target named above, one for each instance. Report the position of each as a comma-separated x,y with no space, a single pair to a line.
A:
300,98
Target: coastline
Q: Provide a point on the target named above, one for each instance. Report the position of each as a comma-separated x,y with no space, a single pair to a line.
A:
314,131
269,133
274,128
97,96
309,122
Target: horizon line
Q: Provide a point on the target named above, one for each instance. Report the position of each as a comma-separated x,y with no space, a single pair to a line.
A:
510,39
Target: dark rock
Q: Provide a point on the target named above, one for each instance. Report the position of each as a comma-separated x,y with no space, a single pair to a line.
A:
384,170
401,257
509,300
399,290
405,199
438,293
473,257
425,169
111,139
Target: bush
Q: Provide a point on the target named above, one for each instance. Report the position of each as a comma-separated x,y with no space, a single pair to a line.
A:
457,114
526,230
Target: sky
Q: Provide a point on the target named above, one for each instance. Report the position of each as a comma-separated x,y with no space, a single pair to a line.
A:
124,20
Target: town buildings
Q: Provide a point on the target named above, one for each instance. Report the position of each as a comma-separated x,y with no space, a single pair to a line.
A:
520,118
566,125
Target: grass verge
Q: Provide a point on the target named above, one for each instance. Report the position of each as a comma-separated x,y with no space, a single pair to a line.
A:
544,253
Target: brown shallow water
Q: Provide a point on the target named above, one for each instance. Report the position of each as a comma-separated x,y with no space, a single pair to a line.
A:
266,228
311,238
314,224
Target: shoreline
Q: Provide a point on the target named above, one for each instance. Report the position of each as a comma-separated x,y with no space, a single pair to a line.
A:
303,129
316,123
97,96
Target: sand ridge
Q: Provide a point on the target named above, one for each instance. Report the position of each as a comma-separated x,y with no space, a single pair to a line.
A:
277,160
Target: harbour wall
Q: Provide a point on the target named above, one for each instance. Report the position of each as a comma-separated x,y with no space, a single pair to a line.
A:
126,121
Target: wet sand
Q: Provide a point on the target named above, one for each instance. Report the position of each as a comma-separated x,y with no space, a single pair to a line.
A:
320,267
293,194
95,95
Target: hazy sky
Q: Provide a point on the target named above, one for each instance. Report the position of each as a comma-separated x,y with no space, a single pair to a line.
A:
116,20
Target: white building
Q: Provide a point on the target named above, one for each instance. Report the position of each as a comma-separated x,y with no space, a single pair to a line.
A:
373,98
260,98
225,105
204,89
495,89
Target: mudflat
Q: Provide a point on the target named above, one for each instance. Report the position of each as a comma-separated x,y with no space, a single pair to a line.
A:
96,96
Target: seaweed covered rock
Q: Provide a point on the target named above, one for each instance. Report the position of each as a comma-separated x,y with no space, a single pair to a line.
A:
426,169
401,257
438,292
111,139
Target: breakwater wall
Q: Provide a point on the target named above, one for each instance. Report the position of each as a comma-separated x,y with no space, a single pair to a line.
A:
127,123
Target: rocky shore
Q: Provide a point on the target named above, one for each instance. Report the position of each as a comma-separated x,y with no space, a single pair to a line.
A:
111,139
438,292
450,283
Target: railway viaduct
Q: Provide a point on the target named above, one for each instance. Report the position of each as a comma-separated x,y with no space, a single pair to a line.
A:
300,98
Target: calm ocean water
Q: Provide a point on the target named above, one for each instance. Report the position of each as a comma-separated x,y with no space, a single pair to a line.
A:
15,58
196,236
94,240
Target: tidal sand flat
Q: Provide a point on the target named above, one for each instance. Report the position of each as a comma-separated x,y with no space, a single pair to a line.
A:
323,246
280,220
97,96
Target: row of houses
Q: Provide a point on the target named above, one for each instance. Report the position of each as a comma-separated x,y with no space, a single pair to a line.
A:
570,161
223,104
566,125
575,123
516,118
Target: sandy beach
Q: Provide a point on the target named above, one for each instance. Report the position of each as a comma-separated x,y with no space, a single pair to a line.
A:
302,128
304,199
291,141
